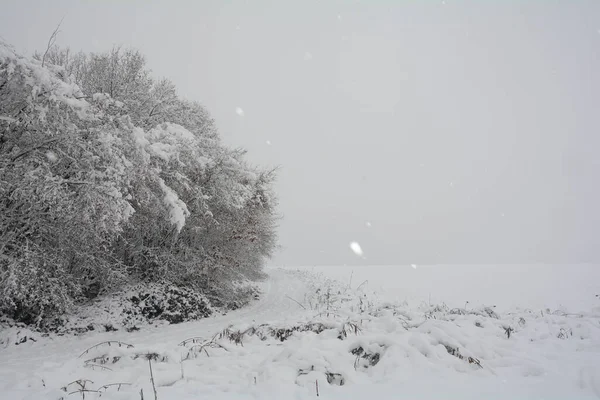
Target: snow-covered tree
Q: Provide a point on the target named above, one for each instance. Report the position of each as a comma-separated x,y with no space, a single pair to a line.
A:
107,177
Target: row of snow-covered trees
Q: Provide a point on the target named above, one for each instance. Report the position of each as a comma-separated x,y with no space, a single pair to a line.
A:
107,177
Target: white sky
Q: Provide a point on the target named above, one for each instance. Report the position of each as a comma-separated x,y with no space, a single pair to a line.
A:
462,131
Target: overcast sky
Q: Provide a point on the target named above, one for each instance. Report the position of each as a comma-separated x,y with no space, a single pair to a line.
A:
429,132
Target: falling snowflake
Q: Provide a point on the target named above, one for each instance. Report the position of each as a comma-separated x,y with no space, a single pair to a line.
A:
308,56
414,266
268,142
356,248
339,17
239,111
368,224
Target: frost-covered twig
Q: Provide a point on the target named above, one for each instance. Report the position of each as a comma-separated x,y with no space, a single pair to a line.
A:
456,353
83,392
295,301
233,336
191,340
350,283
348,326
92,366
51,41
151,356
202,347
80,382
103,359
152,379
109,343
118,384
327,313
35,147
364,282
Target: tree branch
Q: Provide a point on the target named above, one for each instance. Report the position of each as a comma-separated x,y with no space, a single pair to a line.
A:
51,41
39,146
295,301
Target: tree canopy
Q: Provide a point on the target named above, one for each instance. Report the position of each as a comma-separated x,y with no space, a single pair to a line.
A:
108,177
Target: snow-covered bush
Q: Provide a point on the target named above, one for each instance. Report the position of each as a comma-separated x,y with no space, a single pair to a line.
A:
108,178
60,192
33,288
164,302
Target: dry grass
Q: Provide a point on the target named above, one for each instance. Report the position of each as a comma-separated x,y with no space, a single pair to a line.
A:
372,359
99,361
83,392
564,334
348,327
108,343
456,353
440,311
117,384
197,349
94,366
103,359
334,378
151,356
193,340
80,383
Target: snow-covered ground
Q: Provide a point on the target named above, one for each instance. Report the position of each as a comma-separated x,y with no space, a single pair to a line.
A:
417,338
572,287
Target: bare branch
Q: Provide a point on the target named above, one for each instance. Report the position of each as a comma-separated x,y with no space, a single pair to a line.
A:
109,343
117,384
39,146
295,301
51,41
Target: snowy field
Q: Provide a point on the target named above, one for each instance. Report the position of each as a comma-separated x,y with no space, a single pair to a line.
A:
527,332
572,287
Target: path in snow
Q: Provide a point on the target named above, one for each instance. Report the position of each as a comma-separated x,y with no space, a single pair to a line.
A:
272,306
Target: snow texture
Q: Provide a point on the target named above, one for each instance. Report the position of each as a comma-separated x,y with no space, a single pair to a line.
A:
43,80
166,140
178,209
277,349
